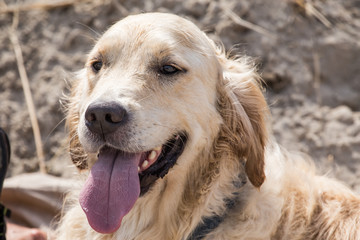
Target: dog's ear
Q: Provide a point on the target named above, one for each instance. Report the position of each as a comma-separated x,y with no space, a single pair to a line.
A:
77,153
244,110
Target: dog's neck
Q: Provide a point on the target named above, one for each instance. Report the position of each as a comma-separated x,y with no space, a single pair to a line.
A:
210,223
219,180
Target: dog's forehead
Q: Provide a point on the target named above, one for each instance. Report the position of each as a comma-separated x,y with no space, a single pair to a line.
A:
146,24
157,31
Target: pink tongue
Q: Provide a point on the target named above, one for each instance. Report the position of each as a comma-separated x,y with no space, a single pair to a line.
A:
111,189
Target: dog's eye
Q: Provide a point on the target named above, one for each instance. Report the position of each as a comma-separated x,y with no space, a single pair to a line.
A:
96,66
169,69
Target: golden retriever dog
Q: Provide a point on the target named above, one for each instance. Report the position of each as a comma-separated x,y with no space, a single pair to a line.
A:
174,141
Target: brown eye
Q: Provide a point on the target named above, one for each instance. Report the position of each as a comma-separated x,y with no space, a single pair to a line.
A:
96,66
169,69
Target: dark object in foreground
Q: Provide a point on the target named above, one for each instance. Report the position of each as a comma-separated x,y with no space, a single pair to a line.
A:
4,161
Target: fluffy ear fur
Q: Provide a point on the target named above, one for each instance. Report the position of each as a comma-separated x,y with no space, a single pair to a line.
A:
77,153
243,109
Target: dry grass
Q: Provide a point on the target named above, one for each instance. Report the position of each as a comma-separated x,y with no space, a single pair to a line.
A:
317,76
238,20
39,5
310,10
27,92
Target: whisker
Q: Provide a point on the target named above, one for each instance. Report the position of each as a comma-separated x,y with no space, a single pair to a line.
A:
162,125
142,99
54,128
98,35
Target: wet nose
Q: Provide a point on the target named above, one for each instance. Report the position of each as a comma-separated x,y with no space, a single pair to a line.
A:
105,117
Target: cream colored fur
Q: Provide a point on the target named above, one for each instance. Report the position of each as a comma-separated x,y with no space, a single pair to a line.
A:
218,102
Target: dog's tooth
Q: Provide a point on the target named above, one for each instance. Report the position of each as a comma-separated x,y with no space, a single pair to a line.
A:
138,169
145,163
157,148
152,155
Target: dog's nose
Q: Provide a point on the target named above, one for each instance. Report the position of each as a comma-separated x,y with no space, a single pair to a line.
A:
105,117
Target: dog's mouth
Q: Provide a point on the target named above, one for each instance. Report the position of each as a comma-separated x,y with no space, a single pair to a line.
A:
118,178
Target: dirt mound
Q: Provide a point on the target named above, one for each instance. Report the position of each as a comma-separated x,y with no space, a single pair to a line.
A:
308,53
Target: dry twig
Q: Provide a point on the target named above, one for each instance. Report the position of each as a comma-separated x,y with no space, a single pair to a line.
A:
41,5
312,11
317,76
27,92
246,24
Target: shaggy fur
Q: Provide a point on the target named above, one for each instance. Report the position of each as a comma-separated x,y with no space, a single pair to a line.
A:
219,103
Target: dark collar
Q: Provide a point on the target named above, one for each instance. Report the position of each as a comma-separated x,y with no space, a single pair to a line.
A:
208,224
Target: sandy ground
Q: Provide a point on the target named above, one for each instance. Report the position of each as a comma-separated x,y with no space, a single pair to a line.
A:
308,53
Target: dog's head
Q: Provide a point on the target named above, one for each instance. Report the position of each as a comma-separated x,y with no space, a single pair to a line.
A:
154,90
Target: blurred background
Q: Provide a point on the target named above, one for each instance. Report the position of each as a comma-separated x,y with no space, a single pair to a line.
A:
308,53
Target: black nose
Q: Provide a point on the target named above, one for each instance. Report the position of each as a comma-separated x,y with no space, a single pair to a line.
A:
105,117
